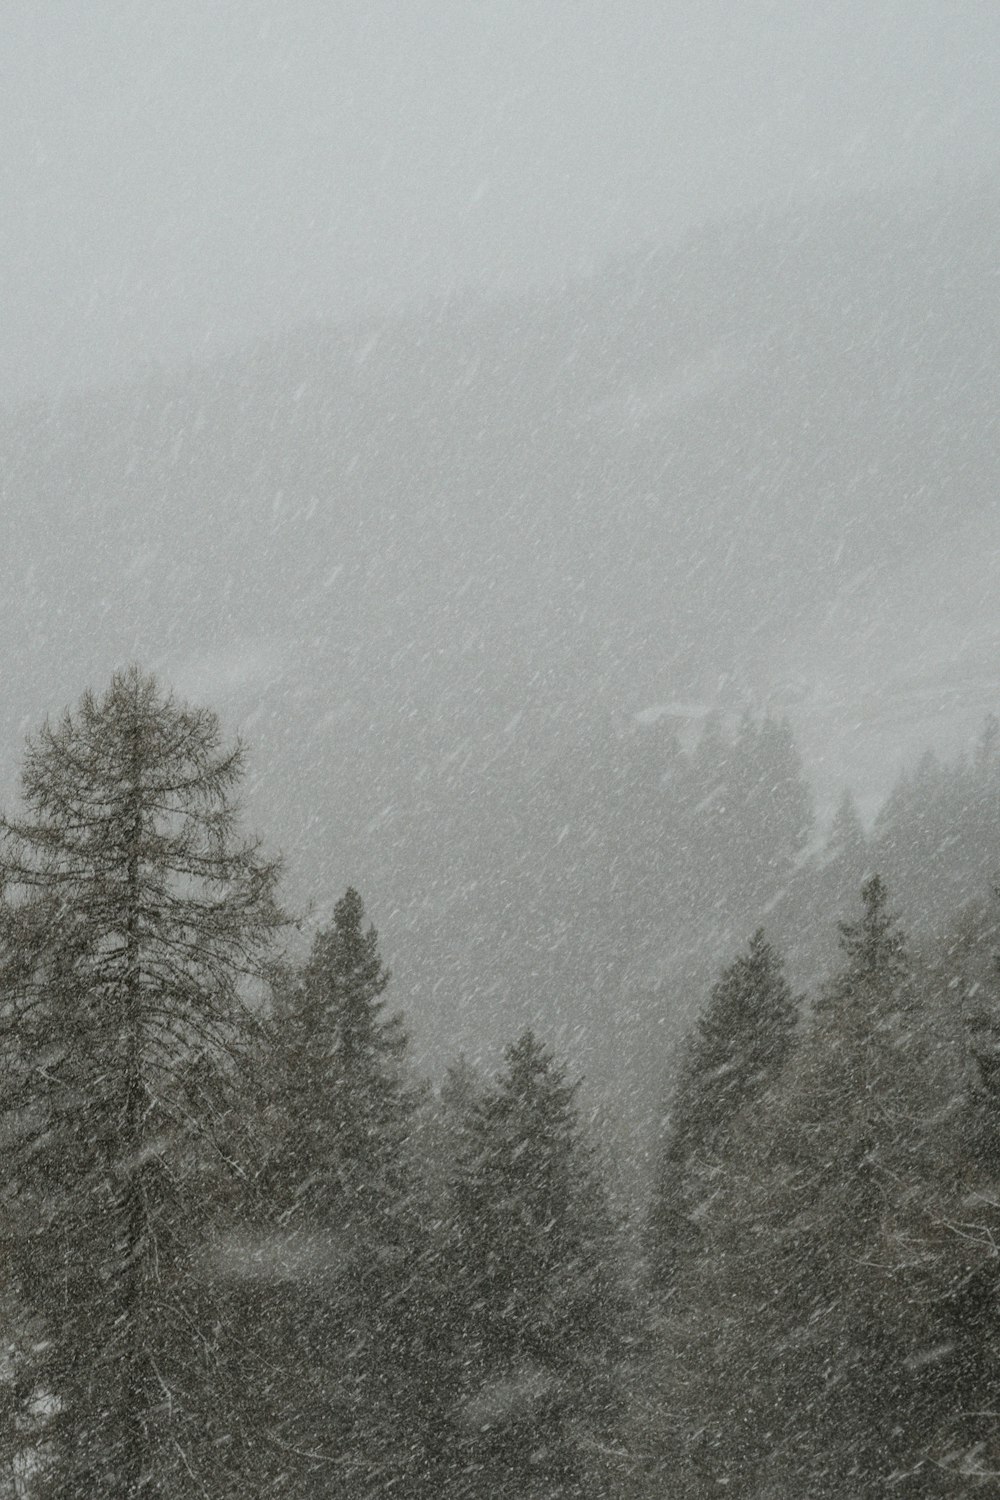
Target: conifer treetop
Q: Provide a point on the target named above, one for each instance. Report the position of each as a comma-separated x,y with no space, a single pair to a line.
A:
134,774
874,946
134,919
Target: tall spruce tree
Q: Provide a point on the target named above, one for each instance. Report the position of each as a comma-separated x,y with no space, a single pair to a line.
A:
820,1246
790,1358
955,1268
134,917
344,1101
353,1323
738,1047
541,1308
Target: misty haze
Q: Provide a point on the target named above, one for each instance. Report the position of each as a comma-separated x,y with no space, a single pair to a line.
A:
500,756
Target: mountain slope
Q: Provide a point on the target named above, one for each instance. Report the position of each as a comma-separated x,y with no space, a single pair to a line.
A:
433,568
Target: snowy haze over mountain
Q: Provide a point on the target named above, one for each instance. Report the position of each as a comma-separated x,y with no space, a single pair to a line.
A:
453,396
178,178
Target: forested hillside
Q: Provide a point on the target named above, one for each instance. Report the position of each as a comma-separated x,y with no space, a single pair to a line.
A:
499,750
465,578
250,1245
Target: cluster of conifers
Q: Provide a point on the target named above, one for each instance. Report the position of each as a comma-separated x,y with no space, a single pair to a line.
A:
245,1252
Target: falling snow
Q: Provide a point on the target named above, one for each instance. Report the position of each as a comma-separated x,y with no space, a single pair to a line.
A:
499,943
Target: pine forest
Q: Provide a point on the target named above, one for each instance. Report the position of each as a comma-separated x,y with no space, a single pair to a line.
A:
251,1248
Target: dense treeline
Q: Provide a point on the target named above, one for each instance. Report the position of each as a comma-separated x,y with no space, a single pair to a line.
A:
248,1251
826,1291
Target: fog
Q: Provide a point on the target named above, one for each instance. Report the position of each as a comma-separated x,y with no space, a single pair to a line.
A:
514,365
560,441
178,180
477,387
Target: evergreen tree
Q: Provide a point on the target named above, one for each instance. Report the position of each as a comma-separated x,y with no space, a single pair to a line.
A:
134,918
801,1347
355,1326
739,1046
955,1267
344,1102
542,1312
819,1247
741,1042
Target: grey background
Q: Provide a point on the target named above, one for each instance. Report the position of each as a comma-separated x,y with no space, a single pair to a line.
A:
177,178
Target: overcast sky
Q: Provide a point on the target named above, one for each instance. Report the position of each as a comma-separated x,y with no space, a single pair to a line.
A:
176,178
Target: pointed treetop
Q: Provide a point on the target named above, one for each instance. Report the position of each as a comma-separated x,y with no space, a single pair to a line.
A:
528,1060
346,954
742,1040
751,991
874,946
349,912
